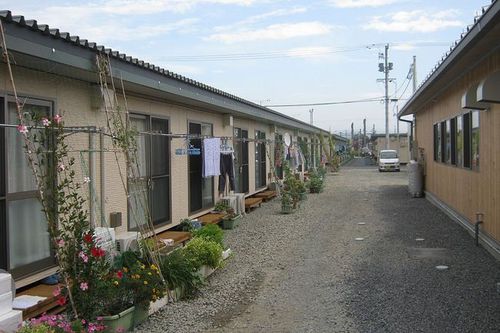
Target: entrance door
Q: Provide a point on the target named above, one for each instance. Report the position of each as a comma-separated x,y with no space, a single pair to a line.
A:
149,186
201,190
241,160
24,238
260,159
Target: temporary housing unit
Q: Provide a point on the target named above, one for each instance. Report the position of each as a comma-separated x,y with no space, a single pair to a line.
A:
457,125
56,73
398,142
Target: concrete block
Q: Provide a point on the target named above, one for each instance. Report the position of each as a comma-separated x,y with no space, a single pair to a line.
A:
5,303
10,321
5,283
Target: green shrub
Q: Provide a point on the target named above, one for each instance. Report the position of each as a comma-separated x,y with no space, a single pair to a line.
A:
201,251
179,272
211,232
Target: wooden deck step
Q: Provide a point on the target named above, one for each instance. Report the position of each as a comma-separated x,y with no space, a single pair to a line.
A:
266,195
179,237
252,203
48,305
211,218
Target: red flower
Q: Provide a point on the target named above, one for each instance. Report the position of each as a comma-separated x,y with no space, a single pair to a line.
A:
61,301
97,252
87,238
119,274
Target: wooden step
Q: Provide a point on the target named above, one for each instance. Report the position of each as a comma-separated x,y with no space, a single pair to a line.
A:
252,203
211,218
48,305
179,237
266,195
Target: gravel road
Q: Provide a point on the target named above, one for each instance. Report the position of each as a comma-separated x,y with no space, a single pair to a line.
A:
306,272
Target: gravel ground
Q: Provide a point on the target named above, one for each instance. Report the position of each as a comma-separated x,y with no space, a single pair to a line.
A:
306,272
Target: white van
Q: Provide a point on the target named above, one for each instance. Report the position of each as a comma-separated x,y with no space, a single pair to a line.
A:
388,160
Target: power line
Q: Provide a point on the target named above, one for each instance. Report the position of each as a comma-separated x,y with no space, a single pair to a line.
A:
366,100
301,52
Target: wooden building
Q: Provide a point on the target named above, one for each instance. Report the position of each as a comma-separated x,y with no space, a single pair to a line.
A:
457,129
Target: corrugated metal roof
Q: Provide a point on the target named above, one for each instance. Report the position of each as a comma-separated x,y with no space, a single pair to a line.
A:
469,34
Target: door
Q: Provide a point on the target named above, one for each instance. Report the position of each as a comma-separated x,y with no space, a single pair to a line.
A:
201,190
24,236
149,184
260,159
241,160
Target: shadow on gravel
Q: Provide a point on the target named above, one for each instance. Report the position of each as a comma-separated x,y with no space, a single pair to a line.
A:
397,287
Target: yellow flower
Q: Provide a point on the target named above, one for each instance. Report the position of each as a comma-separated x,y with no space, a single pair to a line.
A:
125,269
153,267
149,273
115,283
145,282
142,266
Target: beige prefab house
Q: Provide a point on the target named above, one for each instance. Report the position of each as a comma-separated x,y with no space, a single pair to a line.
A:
398,142
457,129
56,73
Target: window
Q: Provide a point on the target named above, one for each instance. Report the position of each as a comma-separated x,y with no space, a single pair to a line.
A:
437,142
442,130
149,185
201,190
467,147
475,140
459,141
260,160
447,141
241,160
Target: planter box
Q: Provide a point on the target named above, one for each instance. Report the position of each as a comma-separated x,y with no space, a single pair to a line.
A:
231,223
141,313
124,321
205,271
287,209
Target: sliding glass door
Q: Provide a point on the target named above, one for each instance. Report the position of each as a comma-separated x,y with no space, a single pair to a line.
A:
241,160
201,190
24,238
149,186
260,159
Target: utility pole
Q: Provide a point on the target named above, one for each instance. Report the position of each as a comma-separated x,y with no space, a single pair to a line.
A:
311,111
414,76
364,132
385,67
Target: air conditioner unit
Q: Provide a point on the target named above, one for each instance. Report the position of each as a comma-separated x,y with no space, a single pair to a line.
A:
127,241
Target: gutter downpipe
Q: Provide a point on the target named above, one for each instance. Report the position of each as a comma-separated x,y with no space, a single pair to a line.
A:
411,132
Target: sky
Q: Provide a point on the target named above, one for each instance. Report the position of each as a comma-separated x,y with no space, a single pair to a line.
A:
275,52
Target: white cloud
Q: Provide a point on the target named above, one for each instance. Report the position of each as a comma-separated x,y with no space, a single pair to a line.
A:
361,3
415,21
404,47
273,32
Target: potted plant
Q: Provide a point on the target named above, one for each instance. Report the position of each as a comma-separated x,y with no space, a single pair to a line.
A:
180,275
231,220
316,183
211,232
286,203
221,206
205,255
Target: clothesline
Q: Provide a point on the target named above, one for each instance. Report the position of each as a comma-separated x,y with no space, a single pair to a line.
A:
97,130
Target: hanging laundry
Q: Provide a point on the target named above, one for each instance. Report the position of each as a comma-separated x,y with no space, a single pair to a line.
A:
211,157
226,169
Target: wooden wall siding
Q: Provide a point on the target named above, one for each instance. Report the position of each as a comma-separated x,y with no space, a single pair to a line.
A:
465,190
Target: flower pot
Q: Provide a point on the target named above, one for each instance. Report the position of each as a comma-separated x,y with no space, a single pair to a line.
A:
141,313
124,321
205,271
231,223
287,209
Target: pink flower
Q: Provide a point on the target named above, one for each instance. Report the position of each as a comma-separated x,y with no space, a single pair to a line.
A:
120,329
22,129
56,292
57,119
83,256
60,242
84,286
45,122
61,167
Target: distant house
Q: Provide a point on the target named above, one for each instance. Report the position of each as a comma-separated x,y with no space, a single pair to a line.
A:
457,128
398,142
55,72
